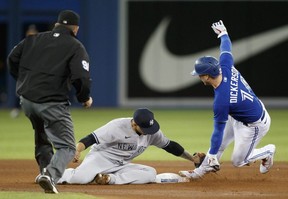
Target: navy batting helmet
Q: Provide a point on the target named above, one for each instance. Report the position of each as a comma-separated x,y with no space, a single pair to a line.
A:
207,65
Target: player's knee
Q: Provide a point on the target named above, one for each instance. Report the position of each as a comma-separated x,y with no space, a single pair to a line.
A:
152,174
80,179
237,162
150,170
149,173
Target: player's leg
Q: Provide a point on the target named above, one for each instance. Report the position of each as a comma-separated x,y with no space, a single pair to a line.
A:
133,174
266,153
93,163
246,140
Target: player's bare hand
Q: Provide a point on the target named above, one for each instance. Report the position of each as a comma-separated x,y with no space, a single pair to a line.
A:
77,157
88,103
219,28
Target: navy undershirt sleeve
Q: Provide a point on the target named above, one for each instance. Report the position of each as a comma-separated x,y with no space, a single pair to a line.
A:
88,140
174,148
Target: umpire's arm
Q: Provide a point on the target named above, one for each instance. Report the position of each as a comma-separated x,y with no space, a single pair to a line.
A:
13,59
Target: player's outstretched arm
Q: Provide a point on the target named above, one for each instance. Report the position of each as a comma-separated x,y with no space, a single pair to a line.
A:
225,45
177,150
83,144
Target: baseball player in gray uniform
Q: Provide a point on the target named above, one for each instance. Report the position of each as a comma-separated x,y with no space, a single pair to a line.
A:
115,145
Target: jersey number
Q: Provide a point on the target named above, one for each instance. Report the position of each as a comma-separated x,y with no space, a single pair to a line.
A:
246,95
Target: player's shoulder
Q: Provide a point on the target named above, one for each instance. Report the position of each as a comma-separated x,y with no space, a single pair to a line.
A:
122,120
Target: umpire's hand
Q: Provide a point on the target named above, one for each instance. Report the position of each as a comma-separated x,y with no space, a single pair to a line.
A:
88,103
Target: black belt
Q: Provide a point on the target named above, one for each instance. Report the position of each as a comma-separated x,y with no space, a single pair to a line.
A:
262,118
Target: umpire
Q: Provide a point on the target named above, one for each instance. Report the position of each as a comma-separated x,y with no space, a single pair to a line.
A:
45,66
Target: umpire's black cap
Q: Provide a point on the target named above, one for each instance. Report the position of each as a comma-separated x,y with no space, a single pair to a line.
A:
68,17
144,118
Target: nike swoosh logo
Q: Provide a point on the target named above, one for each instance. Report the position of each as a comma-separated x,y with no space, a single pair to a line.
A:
126,137
162,71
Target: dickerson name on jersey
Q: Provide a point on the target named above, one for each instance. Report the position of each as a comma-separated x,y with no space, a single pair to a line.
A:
234,85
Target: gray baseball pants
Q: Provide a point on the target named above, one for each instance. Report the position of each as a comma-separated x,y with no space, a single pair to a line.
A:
52,126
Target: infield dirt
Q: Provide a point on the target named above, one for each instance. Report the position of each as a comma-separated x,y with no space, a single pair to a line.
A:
229,182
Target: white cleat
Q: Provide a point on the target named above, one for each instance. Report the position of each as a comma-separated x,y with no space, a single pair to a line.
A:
47,183
37,178
267,163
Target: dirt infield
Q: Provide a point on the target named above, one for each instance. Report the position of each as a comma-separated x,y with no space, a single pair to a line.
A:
230,182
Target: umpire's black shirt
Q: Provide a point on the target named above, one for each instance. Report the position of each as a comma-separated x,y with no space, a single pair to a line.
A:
46,64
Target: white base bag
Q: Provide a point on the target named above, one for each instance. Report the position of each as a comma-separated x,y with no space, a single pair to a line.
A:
170,178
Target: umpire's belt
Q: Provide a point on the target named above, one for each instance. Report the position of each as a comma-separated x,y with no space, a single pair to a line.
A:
258,121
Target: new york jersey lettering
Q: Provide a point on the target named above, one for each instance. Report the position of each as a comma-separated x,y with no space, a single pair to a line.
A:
127,146
140,150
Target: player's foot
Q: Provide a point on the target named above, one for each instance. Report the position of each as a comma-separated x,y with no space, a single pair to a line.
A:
47,183
267,163
102,179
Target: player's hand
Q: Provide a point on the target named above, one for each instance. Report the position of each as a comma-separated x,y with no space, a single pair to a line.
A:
213,162
79,148
198,158
76,157
219,28
88,103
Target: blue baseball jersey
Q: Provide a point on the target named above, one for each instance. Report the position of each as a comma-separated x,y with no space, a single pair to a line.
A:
232,97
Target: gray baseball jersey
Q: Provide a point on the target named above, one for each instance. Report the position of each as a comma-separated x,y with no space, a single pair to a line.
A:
117,144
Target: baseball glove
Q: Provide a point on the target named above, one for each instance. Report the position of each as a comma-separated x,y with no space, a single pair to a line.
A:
198,158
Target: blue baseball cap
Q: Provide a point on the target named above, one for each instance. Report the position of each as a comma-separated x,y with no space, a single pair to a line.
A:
144,118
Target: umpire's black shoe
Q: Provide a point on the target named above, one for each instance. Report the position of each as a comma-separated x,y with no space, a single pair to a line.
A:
47,183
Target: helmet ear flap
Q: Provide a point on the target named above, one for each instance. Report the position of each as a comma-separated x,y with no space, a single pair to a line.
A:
215,69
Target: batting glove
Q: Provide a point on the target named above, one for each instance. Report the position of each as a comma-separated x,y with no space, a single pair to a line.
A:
213,162
219,28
